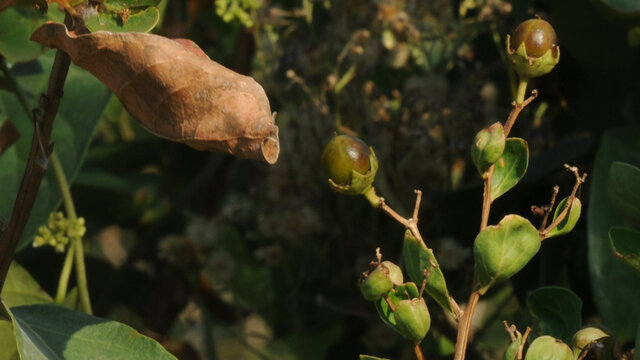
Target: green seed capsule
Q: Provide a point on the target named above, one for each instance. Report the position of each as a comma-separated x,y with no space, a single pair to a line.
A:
533,48
377,284
350,165
344,154
412,319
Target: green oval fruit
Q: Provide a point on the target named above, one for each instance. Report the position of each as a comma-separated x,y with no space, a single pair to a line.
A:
548,348
377,284
538,37
344,154
395,273
412,319
602,343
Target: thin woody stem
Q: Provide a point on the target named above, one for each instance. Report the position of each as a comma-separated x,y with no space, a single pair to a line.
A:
418,352
410,224
565,212
549,209
517,108
37,161
524,341
464,325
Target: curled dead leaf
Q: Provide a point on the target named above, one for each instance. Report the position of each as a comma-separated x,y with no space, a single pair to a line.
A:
175,92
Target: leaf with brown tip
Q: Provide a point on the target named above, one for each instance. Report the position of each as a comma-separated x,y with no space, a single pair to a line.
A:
173,91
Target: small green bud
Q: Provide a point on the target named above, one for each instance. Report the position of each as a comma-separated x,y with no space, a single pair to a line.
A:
602,347
533,49
548,348
395,273
488,146
350,165
376,284
412,319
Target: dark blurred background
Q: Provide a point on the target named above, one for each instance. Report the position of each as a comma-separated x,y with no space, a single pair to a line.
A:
221,258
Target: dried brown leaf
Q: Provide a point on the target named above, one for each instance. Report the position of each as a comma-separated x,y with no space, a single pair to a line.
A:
174,91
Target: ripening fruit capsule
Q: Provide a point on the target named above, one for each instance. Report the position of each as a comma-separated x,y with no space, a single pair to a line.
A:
377,284
412,319
533,48
538,37
350,165
344,154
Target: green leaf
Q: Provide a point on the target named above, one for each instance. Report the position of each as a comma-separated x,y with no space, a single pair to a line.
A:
118,5
488,146
510,168
625,6
548,348
417,257
81,107
617,304
556,311
570,221
22,289
384,310
55,332
502,250
16,26
625,244
8,348
140,21
624,191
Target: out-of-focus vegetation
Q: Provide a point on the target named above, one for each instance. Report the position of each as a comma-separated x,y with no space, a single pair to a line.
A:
223,258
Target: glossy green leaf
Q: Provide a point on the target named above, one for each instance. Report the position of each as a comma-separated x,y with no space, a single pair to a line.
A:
625,244
556,311
118,5
597,342
80,109
617,304
417,258
502,250
624,191
625,6
141,21
570,221
16,25
548,348
22,289
510,168
55,332
487,147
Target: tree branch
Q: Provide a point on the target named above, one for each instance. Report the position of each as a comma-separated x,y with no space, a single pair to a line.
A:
36,168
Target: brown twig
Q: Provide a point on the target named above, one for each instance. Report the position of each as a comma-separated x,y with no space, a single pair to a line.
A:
549,208
418,352
565,212
524,341
516,111
4,5
464,325
41,148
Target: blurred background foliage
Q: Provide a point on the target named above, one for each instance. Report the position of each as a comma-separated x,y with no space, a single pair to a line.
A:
220,258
